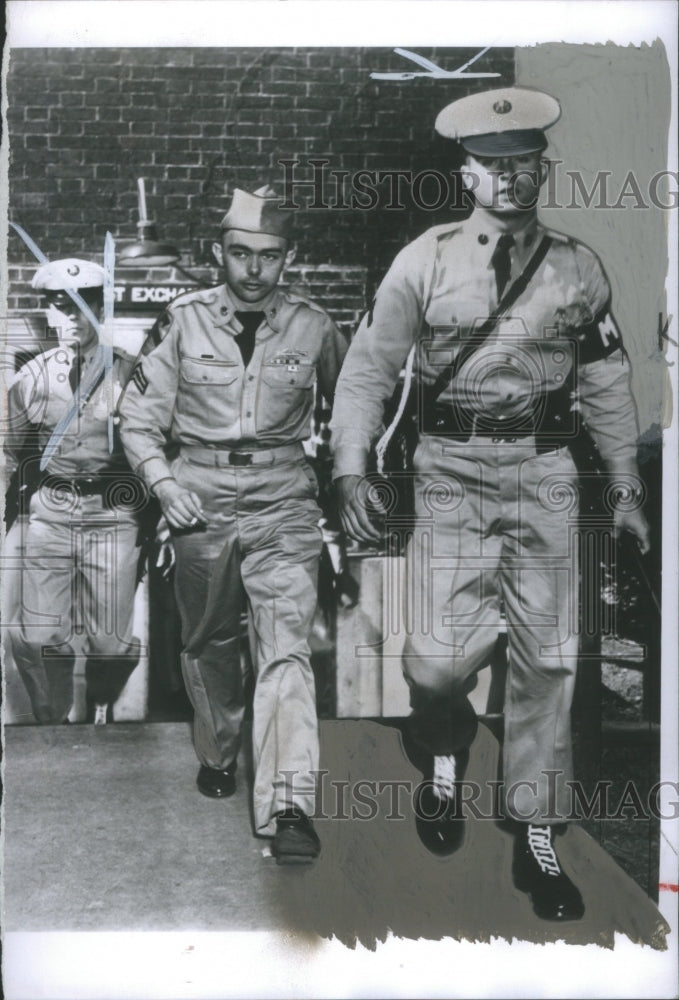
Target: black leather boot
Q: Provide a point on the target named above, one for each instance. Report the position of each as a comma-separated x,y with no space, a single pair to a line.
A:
105,678
439,818
537,871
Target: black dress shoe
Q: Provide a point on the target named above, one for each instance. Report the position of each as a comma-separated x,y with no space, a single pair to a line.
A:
537,871
216,784
295,842
439,819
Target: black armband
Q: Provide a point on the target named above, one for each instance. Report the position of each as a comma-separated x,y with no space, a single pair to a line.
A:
598,339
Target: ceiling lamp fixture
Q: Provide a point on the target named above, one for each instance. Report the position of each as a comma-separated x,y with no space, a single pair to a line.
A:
146,251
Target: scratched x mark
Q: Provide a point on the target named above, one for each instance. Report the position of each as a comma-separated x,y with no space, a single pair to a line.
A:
432,70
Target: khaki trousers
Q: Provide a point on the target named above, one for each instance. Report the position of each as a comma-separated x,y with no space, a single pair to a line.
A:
78,576
261,545
494,523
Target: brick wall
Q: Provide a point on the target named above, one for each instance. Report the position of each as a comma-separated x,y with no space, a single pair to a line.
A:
85,123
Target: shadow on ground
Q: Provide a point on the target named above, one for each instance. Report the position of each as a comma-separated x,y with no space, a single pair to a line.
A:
375,877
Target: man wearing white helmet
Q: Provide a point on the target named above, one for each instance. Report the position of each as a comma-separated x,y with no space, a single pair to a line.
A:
509,324
80,547
232,385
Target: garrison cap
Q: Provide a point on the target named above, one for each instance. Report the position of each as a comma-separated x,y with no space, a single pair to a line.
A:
501,122
71,272
259,212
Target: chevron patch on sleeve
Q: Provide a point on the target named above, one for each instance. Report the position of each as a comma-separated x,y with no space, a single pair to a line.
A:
139,379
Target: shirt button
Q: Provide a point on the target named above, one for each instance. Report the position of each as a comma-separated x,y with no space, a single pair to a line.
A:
483,239
223,310
251,378
249,413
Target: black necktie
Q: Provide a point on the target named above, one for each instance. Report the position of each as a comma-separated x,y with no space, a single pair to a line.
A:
502,262
75,372
246,340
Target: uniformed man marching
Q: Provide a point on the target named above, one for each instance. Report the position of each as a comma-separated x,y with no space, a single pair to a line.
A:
511,324
78,573
232,384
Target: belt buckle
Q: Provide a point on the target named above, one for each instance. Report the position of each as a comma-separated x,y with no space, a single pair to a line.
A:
240,458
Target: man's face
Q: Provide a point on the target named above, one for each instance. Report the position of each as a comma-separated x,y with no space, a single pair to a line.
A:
252,262
72,326
505,185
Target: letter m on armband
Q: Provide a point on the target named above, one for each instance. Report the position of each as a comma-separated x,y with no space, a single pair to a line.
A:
599,338
610,335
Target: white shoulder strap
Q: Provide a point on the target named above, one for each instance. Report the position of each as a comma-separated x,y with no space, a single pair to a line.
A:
383,443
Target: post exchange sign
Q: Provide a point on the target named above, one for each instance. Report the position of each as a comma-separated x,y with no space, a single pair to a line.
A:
148,298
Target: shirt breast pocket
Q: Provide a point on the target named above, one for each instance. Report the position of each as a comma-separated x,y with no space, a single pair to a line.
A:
285,398
196,371
209,395
289,377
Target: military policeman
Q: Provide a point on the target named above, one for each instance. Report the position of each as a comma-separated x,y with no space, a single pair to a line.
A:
511,325
232,384
78,573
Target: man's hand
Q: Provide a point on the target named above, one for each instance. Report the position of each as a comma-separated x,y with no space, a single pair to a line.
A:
627,497
166,556
181,508
635,522
356,502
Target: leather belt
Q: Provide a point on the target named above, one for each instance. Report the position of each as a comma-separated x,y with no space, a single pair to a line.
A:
544,423
119,489
223,458
461,425
87,486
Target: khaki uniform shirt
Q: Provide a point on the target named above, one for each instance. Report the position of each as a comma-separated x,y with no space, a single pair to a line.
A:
439,291
40,395
194,388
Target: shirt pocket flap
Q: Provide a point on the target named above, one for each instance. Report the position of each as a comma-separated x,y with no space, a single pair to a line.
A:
200,372
285,376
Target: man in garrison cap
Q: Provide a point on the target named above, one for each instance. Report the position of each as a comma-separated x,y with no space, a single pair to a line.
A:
514,344
232,385
78,571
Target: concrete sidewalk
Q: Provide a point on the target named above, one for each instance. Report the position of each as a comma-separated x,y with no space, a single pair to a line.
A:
106,831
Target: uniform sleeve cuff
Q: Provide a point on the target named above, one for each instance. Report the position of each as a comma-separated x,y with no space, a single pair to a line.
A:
153,470
349,460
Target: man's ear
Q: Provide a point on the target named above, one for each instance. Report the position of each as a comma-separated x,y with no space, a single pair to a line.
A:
218,253
469,179
290,254
545,167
